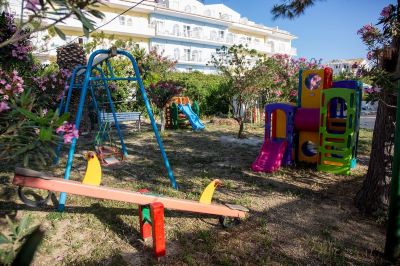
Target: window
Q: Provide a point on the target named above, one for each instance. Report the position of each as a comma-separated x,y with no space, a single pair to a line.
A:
195,56
197,32
175,30
248,39
122,20
189,69
221,34
229,38
129,22
213,35
186,31
176,54
186,53
188,9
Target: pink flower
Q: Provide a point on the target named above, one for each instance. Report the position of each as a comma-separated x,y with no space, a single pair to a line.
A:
69,130
293,93
4,106
278,93
32,4
386,11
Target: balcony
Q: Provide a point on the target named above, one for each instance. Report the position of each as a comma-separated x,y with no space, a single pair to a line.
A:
129,26
188,60
192,36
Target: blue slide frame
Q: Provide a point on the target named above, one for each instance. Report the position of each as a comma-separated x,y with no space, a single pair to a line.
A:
102,56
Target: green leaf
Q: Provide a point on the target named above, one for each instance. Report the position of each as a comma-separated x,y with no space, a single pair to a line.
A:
27,251
28,114
45,133
4,239
60,33
23,225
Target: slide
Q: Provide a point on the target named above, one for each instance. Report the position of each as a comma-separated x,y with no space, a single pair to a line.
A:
193,118
270,158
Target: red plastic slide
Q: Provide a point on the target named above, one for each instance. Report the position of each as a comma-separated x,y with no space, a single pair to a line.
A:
270,158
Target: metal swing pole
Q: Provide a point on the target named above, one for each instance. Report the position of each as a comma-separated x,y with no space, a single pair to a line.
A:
66,106
68,167
150,113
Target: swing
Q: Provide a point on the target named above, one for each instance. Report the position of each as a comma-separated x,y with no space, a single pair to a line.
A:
110,154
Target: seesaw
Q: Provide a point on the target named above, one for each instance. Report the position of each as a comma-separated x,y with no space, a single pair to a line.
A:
151,206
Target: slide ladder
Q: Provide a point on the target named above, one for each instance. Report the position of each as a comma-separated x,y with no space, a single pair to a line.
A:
337,138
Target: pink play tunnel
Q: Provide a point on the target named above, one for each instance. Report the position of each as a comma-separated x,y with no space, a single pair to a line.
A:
270,158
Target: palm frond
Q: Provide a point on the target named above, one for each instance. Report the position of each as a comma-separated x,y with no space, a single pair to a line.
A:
292,8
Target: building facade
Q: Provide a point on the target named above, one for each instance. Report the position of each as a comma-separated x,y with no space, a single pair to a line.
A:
187,31
348,65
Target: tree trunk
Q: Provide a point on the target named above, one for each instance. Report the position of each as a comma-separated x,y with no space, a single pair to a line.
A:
162,119
374,192
241,128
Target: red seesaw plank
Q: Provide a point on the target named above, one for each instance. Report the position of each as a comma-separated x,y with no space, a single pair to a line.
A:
100,192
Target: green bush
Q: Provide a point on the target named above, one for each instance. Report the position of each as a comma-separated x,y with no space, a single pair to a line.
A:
207,89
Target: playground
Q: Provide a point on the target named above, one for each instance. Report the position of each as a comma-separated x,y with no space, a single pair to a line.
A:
297,215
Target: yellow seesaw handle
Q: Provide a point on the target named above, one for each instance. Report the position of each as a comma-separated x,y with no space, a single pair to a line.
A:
208,192
93,170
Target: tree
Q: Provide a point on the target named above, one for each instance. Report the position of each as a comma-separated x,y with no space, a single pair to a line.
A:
237,64
292,9
48,14
160,93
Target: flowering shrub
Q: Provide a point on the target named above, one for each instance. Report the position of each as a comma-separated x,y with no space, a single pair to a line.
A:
10,85
17,50
50,87
27,121
69,132
284,73
162,91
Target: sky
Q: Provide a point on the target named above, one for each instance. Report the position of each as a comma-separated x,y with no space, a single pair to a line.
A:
327,31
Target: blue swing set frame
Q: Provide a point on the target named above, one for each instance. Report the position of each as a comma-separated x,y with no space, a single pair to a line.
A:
96,59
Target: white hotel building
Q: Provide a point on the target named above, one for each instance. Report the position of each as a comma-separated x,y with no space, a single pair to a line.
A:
187,31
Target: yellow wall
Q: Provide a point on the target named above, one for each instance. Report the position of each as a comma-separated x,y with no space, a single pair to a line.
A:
311,98
280,124
305,136
118,11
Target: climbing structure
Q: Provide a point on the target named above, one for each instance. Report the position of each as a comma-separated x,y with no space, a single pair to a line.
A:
181,113
322,129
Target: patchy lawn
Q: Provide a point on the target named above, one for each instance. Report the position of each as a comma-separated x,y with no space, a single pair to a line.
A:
297,215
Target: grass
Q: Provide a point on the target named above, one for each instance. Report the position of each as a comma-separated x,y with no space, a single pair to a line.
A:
297,215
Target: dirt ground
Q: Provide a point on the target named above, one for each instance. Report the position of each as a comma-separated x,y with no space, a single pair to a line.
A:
297,215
